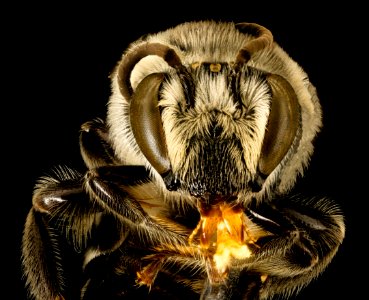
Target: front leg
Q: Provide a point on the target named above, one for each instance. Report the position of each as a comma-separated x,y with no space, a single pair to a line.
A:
59,228
68,228
77,217
125,191
306,234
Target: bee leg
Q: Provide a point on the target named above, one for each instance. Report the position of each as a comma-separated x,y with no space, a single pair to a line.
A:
94,145
112,184
48,259
114,189
167,255
306,234
109,185
106,180
64,230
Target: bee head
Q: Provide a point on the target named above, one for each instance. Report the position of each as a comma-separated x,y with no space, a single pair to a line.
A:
216,126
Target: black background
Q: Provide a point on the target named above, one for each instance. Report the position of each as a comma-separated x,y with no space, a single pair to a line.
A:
56,66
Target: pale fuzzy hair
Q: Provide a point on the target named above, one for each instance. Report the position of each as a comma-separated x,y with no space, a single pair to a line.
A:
213,95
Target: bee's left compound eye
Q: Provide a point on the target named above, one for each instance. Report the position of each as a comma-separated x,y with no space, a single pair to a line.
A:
146,123
283,124
144,113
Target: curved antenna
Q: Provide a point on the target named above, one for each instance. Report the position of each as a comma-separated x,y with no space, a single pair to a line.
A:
263,38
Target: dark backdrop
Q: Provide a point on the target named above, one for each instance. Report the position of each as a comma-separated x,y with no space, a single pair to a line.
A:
58,60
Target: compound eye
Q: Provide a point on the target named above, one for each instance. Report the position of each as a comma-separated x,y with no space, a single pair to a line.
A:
283,124
146,123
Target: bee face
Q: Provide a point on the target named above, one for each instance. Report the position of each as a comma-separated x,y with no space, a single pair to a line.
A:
215,119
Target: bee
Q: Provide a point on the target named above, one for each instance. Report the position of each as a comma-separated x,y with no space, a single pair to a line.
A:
187,190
